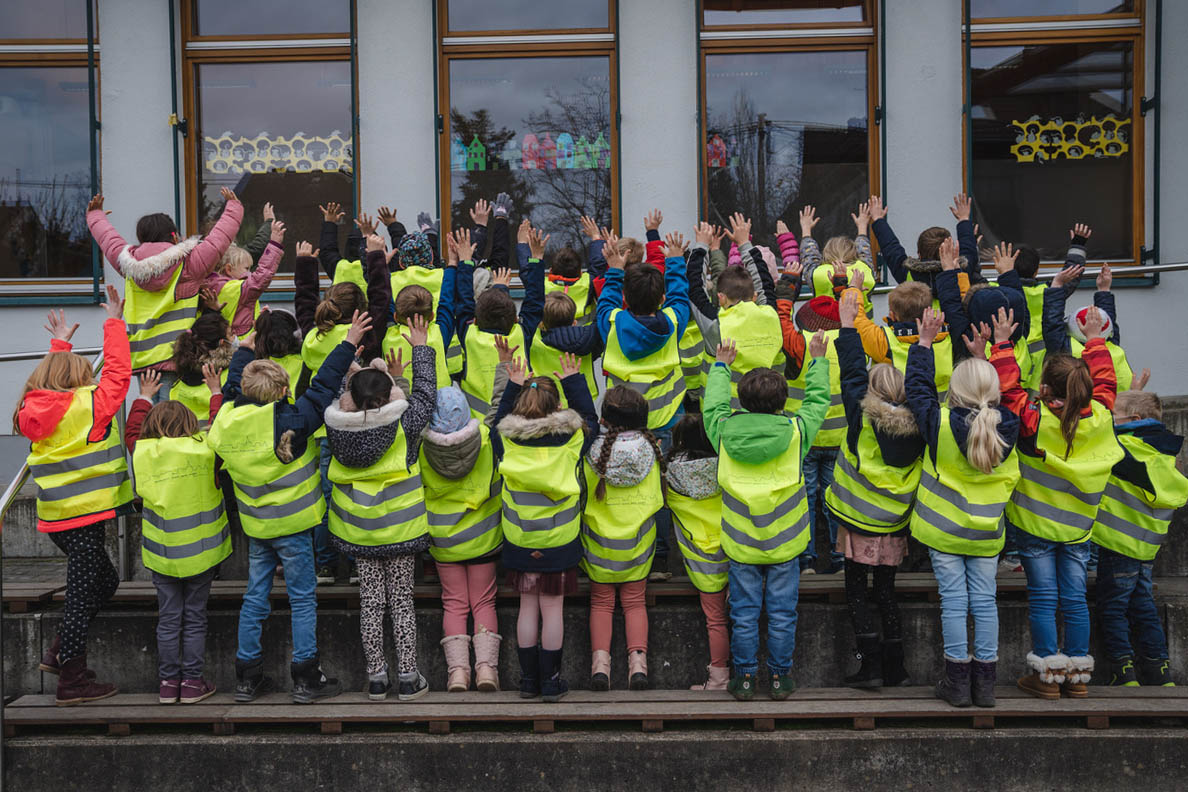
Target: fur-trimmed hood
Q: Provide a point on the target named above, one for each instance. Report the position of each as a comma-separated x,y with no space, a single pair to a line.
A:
562,422
220,356
894,420
453,454
694,478
143,263
930,267
360,438
631,458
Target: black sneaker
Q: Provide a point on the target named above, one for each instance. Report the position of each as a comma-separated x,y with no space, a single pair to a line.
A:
250,681
325,576
378,686
311,684
414,689
1155,671
1122,672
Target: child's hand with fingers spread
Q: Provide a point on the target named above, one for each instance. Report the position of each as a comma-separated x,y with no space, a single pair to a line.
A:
1004,257
570,365
366,224
861,218
948,254
740,228
278,232
481,212
676,245
614,259
332,212
1105,278
839,270
505,352
875,208
727,351
464,244
360,324
808,219
228,195
703,234
114,305
1140,382
1068,275
653,219
1080,230
517,371
781,227
537,243
590,228
819,345
386,216
793,268
269,213
929,326
1092,326
150,383
858,279
501,277
304,249
395,361
962,206
979,340
58,327
719,235
375,242
451,251
418,331
96,202
1004,325
524,232
210,375
849,308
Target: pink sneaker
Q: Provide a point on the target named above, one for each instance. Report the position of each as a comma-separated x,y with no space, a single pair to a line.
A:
169,691
195,690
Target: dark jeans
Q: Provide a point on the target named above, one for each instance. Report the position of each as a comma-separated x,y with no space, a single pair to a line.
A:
664,516
181,624
1125,603
818,475
91,580
324,553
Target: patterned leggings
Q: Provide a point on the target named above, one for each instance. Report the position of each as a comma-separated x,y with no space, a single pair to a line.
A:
91,580
388,583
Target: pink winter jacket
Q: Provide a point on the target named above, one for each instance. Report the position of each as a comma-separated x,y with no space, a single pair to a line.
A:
253,287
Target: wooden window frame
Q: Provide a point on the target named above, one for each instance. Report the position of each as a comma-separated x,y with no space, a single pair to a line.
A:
198,51
505,44
444,32
1133,34
809,28
1058,19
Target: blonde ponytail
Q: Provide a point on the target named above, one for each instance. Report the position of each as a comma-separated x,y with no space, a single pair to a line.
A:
974,386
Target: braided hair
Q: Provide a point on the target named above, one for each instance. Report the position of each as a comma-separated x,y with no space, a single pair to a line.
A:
624,410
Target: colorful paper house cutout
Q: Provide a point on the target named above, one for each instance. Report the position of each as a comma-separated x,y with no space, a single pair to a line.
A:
476,156
565,150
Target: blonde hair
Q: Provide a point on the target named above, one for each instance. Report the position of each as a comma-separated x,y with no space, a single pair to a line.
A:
886,382
169,419
235,254
907,301
57,371
1140,404
839,248
340,304
264,381
632,250
974,386
559,310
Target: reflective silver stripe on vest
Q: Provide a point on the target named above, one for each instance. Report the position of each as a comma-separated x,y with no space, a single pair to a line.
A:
836,422
1126,499
1053,482
765,545
543,523
539,499
905,498
691,371
462,537
763,520
640,387
445,520
280,510
76,488
1036,346
389,520
291,479
695,558
176,315
863,507
659,402
1127,528
952,496
943,524
619,544
80,462
454,349
1049,512
621,566
399,489
153,342
190,550
183,523
476,403
797,394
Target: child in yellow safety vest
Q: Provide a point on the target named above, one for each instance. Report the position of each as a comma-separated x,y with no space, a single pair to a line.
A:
185,531
561,332
234,288
765,522
377,509
540,446
874,486
208,344
970,469
77,461
695,499
854,254
1144,490
1067,449
279,340
624,490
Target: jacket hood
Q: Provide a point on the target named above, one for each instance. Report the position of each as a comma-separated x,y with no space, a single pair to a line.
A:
930,267
1153,433
631,458
694,478
220,356
895,420
453,454
517,427
755,438
360,438
142,263
42,411
637,339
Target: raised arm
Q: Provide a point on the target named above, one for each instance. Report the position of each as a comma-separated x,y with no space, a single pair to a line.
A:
307,290
109,396
894,255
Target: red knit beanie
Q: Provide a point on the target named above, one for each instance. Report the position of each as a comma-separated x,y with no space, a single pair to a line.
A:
819,313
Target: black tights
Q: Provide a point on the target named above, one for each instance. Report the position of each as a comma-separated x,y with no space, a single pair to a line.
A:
884,594
91,580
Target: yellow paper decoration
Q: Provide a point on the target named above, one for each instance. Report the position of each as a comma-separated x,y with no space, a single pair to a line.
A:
300,153
1039,141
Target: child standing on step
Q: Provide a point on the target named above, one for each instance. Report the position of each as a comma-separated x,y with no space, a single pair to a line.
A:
1144,490
624,485
540,447
377,508
185,533
970,469
77,461
695,499
209,343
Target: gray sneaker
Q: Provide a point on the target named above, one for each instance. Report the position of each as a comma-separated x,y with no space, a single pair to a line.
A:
408,690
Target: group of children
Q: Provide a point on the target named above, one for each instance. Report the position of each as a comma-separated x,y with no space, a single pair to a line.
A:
411,407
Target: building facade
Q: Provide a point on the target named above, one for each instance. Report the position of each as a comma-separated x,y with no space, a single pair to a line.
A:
1049,112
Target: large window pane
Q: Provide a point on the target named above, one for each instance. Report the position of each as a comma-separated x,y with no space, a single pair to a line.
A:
537,129
1030,8
271,17
45,173
527,15
785,130
43,19
782,12
1052,144
278,132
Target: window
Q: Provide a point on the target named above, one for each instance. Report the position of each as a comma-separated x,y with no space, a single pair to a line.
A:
47,166
1055,136
990,9
530,119
526,15
269,117
787,113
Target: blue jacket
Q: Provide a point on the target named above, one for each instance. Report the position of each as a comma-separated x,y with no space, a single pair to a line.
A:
640,336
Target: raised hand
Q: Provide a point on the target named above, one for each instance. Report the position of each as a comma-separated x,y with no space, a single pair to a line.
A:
1105,278
150,383
360,324
451,251
570,364
839,270
517,371
481,212
505,352
210,375
1004,325
1067,276
278,232
849,308
978,342
727,351
962,206
269,213
96,202
782,227
861,218
114,305
501,277
1093,324
676,245
375,242
703,234
1004,257
653,219
366,224
228,194
210,299
948,254
418,331
590,228
304,249
858,279
1141,380
740,228
793,268
386,215
464,244
332,212
614,259
58,327
875,208
524,232
395,360
1080,230
536,243
719,235
930,324
818,345
808,219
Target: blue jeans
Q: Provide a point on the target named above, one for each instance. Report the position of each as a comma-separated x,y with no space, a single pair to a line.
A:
324,553
1125,603
750,586
967,586
1056,575
818,475
295,552
168,380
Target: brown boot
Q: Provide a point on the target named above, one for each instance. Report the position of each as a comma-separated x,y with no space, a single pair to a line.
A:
75,686
1076,685
49,661
1047,674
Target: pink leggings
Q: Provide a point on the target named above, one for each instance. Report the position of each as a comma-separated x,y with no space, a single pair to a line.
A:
635,614
540,615
466,589
714,608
